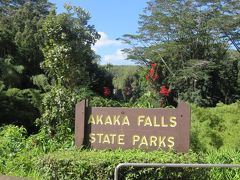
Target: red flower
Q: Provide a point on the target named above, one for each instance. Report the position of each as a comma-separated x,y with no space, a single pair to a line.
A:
152,72
164,91
154,65
146,76
154,78
106,91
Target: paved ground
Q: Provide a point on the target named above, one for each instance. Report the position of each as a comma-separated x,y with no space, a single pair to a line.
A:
11,178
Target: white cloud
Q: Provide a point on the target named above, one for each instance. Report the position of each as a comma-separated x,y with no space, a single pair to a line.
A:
105,41
118,58
118,55
105,47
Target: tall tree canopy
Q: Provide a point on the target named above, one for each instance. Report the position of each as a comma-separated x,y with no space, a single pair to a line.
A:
70,66
67,50
21,38
69,58
45,52
190,41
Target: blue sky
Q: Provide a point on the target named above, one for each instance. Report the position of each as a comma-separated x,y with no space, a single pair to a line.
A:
112,19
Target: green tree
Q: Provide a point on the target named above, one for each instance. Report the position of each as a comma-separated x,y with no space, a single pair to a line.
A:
21,37
20,55
71,67
67,51
191,48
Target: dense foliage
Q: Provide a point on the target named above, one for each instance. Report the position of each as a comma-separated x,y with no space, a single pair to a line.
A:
191,41
101,164
128,82
43,55
19,107
215,128
47,65
20,153
21,40
214,139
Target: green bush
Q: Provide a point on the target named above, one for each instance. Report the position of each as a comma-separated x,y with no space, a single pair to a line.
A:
19,107
19,152
215,128
15,157
12,140
224,156
147,100
214,139
58,108
85,164
98,101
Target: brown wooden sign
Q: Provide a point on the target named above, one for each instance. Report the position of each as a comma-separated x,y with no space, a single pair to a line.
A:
129,128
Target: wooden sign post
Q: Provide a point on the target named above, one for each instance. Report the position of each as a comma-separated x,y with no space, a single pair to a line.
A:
131,128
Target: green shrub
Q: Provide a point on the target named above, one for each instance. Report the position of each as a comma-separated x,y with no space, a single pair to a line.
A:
15,158
58,105
224,156
98,101
19,153
214,139
12,140
58,108
19,107
215,128
85,164
147,100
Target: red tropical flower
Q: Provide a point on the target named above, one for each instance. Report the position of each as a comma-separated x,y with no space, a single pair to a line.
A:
154,65
106,91
155,77
164,91
152,72
146,76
